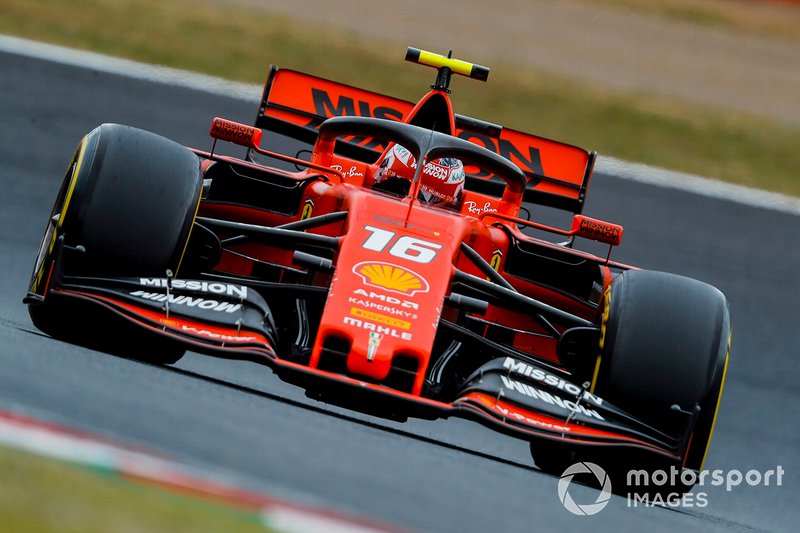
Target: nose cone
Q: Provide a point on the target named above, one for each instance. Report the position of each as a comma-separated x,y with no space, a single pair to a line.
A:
387,293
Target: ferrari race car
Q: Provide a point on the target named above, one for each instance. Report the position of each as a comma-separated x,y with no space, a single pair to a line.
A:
385,286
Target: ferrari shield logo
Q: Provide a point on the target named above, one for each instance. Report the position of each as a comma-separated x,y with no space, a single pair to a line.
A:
308,208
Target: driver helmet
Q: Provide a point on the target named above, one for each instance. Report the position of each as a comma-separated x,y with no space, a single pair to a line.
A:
442,180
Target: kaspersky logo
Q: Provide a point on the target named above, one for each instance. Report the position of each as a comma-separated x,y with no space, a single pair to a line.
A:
391,277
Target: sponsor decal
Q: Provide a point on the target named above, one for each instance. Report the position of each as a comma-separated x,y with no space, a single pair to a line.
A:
232,131
377,317
386,331
374,343
597,230
218,336
429,192
532,162
351,173
391,277
530,421
437,171
188,301
546,397
446,169
522,369
497,255
325,106
474,209
605,231
308,208
494,262
384,303
386,309
328,105
227,289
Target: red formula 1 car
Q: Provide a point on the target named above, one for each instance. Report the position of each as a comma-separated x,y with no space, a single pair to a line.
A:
389,287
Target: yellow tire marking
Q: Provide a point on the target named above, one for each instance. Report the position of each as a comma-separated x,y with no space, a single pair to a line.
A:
189,236
76,162
603,323
71,189
719,400
596,372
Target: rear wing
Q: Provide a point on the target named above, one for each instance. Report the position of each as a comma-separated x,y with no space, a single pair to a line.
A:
295,104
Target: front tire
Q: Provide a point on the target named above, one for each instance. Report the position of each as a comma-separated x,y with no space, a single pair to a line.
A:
664,342
129,199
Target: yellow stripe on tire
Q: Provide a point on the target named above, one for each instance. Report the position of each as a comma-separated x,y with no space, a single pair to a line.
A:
603,323
719,401
73,181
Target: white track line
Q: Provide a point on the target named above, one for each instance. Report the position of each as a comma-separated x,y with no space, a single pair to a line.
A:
699,185
132,69
252,93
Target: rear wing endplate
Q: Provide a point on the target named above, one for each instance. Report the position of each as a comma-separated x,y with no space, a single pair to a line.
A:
295,104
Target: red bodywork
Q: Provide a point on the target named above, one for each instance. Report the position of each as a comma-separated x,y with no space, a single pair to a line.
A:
293,97
390,284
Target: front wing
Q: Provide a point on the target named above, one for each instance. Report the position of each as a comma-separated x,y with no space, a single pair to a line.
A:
521,397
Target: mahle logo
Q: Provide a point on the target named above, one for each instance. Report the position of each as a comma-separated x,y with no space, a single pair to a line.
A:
586,509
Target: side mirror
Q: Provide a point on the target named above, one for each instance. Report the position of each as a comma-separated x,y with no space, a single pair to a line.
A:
596,230
228,130
250,137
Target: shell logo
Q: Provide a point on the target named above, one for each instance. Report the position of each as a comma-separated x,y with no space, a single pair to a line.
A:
391,277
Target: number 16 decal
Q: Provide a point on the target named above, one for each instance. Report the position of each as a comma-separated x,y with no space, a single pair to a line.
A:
405,247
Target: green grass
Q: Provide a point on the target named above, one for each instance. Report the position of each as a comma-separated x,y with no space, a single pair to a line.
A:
743,16
44,495
239,44
682,10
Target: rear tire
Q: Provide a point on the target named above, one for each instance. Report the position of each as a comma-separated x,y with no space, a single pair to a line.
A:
129,199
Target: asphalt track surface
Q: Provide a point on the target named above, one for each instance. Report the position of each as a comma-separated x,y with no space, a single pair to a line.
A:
448,475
